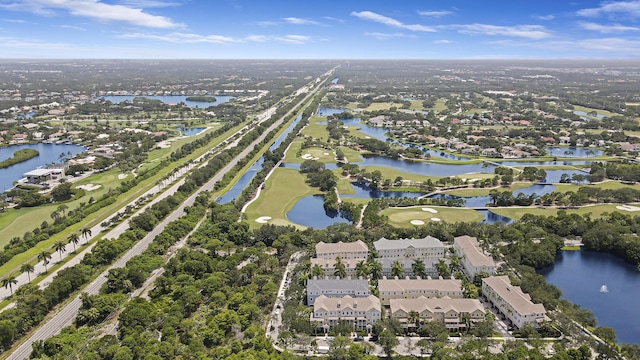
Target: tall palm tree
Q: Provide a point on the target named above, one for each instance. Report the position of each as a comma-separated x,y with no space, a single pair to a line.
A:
414,318
74,239
362,269
397,269
375,268
341,270
419,269
59,246
86,232
44,256
316,271
27,268
8,282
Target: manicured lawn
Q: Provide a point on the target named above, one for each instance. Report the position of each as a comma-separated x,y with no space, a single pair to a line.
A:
469,192
391,173
477,111
355,131
600,112
344,187
606,185
291,155
440,105
350,154
401,217
316,131
416,105
472,176
595,210
283,189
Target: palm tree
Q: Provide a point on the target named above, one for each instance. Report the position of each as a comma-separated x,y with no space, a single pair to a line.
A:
44,256
362,269
397,269
375,268
27,268
74,239
316,271
8,282
341,270
85,233
419,268
414,318
59,246
62,208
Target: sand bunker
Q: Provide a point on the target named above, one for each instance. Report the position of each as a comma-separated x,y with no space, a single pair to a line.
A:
417,222
263,219
122,176
89,187
325,154
164,144
435,219
627,208
433,211
308,157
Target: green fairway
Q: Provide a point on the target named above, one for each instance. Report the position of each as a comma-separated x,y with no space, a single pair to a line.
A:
470,192
344,187
605,185
351,155
283,189
595,211
316,131
392,173
402,217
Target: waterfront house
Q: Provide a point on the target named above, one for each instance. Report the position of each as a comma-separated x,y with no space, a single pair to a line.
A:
512,303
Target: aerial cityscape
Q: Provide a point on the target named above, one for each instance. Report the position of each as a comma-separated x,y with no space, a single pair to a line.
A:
257,180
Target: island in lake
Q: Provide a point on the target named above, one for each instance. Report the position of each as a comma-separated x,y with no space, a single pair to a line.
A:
18,157
201,98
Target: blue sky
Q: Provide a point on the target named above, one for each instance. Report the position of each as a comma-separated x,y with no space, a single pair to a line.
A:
326,29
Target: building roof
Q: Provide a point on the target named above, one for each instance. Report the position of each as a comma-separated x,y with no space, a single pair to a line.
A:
355,285
402,285
39,172
513,295
472,251
357,246
347,302
436,305
427,242
429,263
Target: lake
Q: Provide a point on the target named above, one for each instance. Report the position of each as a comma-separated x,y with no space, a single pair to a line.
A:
172,99
581,274
573,152
49,153
190,131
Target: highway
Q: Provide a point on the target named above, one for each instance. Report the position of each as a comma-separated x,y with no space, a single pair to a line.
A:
65,316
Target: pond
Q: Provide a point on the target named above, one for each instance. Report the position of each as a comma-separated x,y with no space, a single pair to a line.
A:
172,99
583,115
581,275
48,154
309,211
190,131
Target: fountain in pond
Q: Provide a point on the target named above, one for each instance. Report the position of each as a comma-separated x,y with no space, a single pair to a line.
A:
604,289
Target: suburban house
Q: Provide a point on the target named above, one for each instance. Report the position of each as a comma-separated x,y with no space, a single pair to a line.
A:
473,259
352,250
413,288
428,247
512,303
386,265
38,176
328,266
336,288
451,312
361,312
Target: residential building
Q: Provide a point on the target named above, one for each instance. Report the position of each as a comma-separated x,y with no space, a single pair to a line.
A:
361,312
336,288
512,302
451,312
386,265
352,250
407,288
38,176
428,247
328,266
473,259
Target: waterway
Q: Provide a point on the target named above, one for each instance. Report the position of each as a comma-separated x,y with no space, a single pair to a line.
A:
172,99
190,131
248,176
48,154
581,274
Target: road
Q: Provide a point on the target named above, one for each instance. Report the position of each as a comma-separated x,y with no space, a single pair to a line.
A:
68,313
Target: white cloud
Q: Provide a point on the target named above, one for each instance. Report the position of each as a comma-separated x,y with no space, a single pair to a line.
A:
73,27
612,46
625,8
443,41
368,15
267,23
93,9
545,17
333,19
17,21
293,39
182,38
607,28
299,21
524,31
384,36
144,4
436,13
